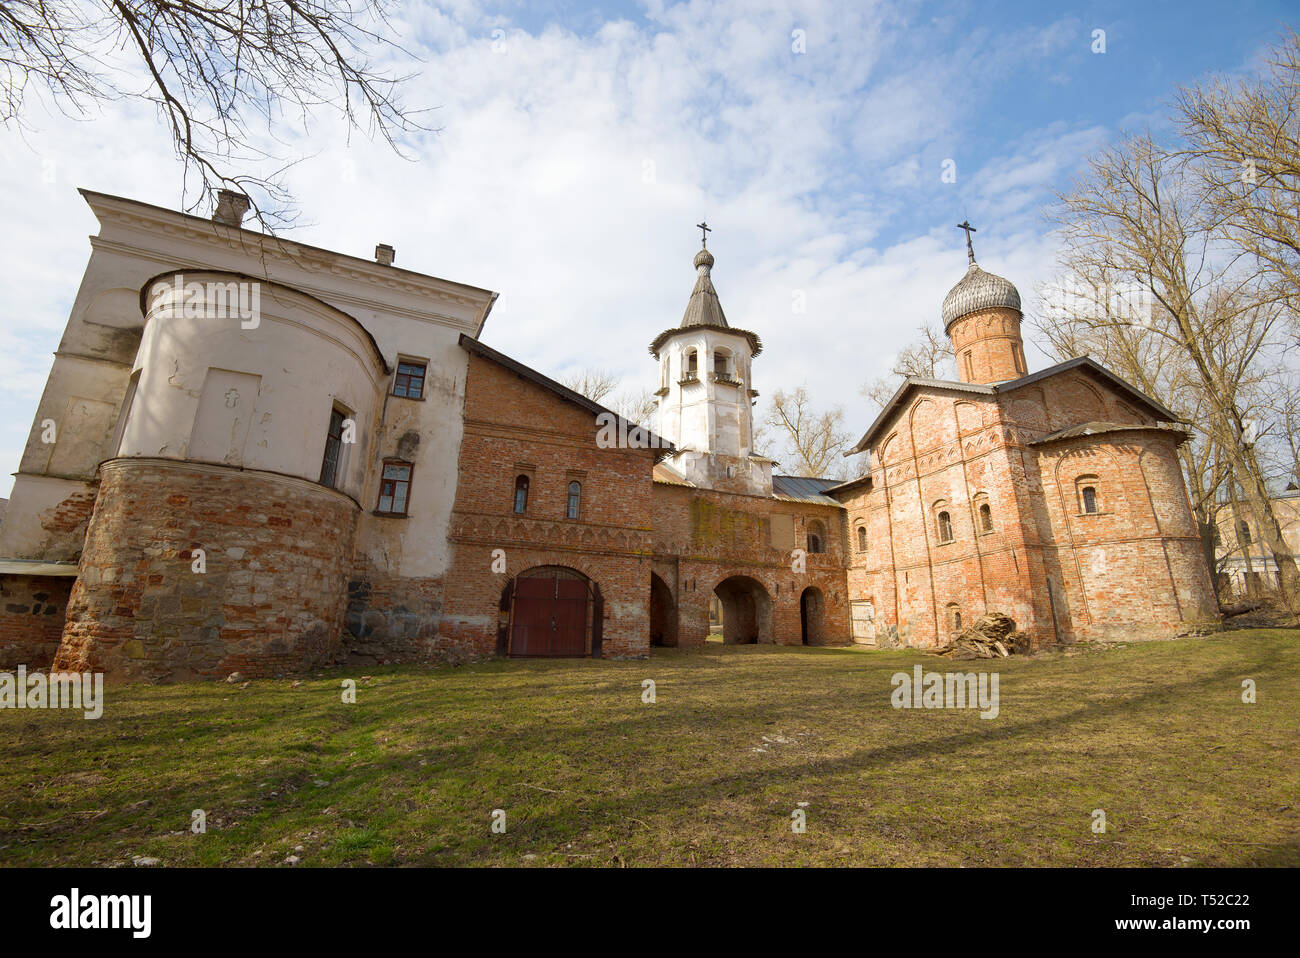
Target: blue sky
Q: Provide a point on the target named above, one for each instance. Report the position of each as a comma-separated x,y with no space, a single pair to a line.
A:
579,144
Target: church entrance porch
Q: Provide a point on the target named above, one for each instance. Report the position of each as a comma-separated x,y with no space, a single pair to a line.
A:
550,613
746,611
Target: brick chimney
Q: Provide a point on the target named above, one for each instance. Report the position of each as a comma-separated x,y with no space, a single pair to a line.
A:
231,207
385,254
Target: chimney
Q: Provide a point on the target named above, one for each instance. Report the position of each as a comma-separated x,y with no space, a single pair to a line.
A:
384,254
231,207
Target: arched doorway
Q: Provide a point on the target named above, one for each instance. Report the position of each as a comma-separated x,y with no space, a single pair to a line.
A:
663,613
746,611
551,614
812,607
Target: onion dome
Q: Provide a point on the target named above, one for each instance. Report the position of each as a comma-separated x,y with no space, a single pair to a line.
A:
978,290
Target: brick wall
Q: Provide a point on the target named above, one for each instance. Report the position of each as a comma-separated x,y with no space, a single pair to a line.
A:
988,346
271,599
1136,570
32,608
514,426
703,538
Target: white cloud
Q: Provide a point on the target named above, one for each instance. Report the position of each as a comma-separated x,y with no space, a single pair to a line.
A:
570,169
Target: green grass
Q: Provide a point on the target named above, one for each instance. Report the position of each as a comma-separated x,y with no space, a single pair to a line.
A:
1155,734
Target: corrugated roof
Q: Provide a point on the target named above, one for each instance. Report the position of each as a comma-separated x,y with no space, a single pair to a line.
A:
670,476
804,489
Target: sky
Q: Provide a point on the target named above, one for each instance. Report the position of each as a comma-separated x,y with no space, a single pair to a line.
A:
577,144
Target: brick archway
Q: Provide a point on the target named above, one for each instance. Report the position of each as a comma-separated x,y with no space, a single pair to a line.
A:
663,613
746,611
812,616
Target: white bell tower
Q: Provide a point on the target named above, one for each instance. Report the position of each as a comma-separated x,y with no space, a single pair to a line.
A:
705,392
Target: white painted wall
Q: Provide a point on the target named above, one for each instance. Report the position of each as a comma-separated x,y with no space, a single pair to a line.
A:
407,313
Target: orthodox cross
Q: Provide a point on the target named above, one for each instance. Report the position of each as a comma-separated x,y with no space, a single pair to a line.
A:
970,249
705,229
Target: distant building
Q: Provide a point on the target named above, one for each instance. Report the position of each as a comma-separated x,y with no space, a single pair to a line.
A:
1244,563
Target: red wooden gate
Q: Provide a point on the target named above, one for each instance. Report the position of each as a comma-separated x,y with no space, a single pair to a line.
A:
550,617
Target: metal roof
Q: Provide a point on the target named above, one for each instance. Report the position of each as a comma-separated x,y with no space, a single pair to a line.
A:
1097,428
978,290
670,477
37,567
804,489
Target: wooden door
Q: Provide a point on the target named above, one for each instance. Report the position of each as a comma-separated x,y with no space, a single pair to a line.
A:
532,622
549,618
570,635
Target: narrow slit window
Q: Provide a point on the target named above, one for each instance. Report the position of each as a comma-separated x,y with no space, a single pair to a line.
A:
575,499
521,495
862,538
333,448
1089,500
945,527
986,518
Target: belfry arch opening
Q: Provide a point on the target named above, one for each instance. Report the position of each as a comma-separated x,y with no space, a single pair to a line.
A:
746,611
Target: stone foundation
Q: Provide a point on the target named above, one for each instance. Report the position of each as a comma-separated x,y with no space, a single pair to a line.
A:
270,600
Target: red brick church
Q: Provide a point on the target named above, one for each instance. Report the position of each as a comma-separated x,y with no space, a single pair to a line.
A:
342,470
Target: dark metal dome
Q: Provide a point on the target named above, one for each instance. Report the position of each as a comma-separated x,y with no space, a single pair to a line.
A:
978,290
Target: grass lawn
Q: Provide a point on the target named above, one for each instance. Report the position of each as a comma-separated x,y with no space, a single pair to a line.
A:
1154,734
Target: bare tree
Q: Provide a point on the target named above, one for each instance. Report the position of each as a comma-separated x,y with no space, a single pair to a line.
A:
815,441
930,357
1137,222
211,68
636,405
1246,135
593,383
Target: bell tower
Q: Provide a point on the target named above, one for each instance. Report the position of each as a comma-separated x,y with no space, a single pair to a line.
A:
705,393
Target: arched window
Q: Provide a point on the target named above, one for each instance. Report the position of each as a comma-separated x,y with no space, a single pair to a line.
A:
944,524
575,498
816,537
1089,500
953,615
986,518
862,538
692,364
721,363
521,495
1243,532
